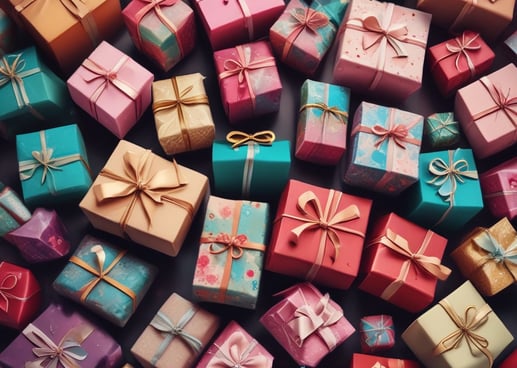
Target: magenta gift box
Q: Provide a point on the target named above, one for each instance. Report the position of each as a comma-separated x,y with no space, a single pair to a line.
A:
499,187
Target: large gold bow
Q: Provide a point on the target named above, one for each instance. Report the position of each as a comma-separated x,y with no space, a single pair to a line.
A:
304,19
238,138
236,352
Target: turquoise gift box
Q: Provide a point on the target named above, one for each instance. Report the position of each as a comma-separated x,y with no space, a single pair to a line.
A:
105,279
442,131
53,166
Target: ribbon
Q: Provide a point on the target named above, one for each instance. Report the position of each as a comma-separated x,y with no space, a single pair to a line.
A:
236,352
248,20
461,48
8,284
378,331
468,6
495,252
512,183
328,111
444,124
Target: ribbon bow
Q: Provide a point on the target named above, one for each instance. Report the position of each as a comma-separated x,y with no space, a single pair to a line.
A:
377,331
238,138
230,243
503,102
378,365
8,283
462,47
327,111
394,34
449,124
398,133
236,353
304,19
496,252
392,363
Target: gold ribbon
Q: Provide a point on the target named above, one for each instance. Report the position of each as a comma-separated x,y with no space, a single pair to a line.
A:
248,20
8,284
328,111
463,46
236,352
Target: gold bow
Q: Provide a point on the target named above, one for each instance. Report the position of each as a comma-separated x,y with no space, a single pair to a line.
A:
238,138
304,19
328,111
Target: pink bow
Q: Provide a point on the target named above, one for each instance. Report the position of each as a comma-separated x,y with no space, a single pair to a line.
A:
236,352
394,34
232,243
398,133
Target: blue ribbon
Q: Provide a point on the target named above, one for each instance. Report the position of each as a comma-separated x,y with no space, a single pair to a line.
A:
487,242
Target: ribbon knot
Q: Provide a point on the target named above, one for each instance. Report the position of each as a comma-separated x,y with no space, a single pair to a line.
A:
494,249
238,138
231,243
394,34
236,353
327,111
398,133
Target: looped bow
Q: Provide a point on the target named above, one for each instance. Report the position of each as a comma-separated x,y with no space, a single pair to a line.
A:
462,47
398,133
496,252
309,19
238,138
236,353
395,35
7,284
242,65
328,111
180,100
230,243
503,101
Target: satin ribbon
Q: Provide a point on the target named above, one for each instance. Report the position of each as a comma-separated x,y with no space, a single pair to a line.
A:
8,284
377,332
444,124
68,353
495,252
463,46
473,319
248,20
236,352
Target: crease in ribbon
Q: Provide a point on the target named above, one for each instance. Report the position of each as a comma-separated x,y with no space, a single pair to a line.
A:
463,45
236,352
8,284
495,251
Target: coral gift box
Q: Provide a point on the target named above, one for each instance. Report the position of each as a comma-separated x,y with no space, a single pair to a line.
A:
499,186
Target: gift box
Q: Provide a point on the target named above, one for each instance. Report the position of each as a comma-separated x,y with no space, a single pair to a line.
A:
510,361
164,31
373,361
13,212
460,331
318,234
251,165
382,49
7,33
144,213
53,165
20,295
307,324
234,22
385,148
112,88
499,186
176,335
105,279
322,122
441,131
182,114
61,337
248,79
483,109
235,347
231,253
303,34
402,263
377,333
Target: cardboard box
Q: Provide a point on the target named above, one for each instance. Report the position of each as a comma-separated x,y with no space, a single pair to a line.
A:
499,186
441,131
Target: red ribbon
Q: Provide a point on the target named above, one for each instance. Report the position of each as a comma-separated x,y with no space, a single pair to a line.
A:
462,47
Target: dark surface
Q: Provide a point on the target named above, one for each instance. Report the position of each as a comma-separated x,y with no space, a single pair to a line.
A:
176,273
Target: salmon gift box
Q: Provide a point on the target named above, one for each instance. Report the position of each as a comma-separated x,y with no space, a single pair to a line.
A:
499,186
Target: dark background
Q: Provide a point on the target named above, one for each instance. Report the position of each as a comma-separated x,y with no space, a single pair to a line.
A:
176,273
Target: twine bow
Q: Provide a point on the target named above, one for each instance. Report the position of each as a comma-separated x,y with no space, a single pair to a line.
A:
238,138
495,252
328,111
462,47
236,353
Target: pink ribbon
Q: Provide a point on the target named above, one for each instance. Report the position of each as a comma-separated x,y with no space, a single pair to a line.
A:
236,352
463,46
248,20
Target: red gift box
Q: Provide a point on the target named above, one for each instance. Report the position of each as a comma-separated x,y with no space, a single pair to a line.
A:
510,361
372,361
499,186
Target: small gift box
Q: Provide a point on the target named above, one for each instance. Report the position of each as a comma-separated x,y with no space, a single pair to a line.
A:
377,333
373,361
251,165
20,295
322,123
402,263
499,186
461,331
484,110
105,279
307,324
144,213
441,131
385,148
61,337
382,49
165,30
510,361
53,165
235,347
182,114
176,335
13,212
112,88
318,234
231,254
248,79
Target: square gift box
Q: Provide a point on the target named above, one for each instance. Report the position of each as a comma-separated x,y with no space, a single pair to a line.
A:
13,212
376,333
461,331
373,361
144,213
441,131
231,253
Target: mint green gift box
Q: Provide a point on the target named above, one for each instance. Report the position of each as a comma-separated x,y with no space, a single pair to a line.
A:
53,166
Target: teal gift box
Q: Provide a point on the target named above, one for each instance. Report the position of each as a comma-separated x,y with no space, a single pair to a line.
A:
448,193
251,165
105,279
53,166
441,131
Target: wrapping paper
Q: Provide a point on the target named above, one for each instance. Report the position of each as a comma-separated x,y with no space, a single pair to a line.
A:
499,186
377,333
13,212
441,130
373,361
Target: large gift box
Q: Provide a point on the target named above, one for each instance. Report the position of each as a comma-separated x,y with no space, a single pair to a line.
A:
318,234
13,212
374,361
322,122
441,131
137,193
231,253
402,263
182,114
484,109
112,88
499,186
176,335
307,324
382,49
376,333
384,152
461,331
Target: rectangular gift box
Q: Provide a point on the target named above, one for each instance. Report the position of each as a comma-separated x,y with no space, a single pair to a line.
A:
182,114
499,186
441,131
373,361
148,221
105,279
231,252
322,122
302,248
154,348
112,88
432,336
376,333
481,107
13,212
384,152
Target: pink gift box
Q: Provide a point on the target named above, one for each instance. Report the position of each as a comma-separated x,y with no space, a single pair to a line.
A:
499,187
112,88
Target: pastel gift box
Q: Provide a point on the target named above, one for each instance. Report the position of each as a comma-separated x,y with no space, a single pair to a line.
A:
83,343
441,131
482,110
53,165
402,263
499,186
367,63
432,336
173,191
384,150
231,252
322,122
182,114
510,361
13,212
112,88
376,333
302,248
159,346
248,92
165,32
285,321
373,361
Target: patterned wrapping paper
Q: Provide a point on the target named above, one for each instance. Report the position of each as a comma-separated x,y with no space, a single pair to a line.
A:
13,212
441,131
499,186
377,333
373,361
